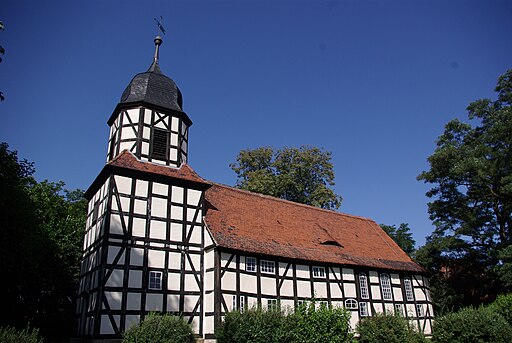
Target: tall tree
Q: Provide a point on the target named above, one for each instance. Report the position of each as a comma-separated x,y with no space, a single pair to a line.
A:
471,170
402,236
40,246
297,174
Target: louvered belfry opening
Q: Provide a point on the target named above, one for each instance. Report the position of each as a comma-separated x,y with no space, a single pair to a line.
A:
159,144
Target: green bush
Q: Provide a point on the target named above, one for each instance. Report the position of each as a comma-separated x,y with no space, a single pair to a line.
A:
11,335
503,306
157,328
389,329
308,324
255,326
311,324
469,325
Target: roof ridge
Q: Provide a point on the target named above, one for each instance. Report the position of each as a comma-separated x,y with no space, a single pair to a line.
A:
293,202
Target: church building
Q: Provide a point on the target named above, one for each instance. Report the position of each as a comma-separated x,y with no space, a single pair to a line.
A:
161,238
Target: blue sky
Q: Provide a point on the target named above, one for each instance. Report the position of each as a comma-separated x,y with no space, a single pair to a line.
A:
372,81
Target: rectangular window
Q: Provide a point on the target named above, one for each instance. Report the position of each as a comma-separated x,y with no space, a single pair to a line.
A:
242,304
267,267
399,309
250,264
408,289
159,144
363,309
363,286
272,304
155,280
385,285
419,309
318,272
95,212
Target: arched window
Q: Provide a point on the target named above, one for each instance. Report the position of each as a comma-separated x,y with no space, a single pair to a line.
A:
363,286
351,304
385,285
408,289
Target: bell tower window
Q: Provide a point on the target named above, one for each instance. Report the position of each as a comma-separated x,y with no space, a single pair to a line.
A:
159,144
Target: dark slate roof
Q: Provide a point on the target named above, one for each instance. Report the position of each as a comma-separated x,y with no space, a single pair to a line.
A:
154,88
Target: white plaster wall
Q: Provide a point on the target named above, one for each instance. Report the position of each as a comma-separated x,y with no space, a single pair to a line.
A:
177,194
397,294
229,281
114,300
157,229
303,289
154,302
320,289
268,285
335,290
302,271
133,301
174,260
348,274
173,302
374,277
350,290
105,326
159,207
156,258
248,283
375,292
287,288
115,279
135,279
173,281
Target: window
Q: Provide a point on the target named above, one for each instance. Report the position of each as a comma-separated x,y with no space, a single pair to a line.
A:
159,144
272,304
351,304
267,266
242,304
399,309
318,272
363,286
419,309
363,309
95,212
408,289
250,264
385,285
155,280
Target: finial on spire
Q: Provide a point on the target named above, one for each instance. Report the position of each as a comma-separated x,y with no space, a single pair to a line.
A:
158,41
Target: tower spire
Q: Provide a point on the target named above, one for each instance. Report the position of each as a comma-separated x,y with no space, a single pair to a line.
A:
155,68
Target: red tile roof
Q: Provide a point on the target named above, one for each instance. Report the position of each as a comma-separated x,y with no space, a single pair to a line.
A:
128,161
259,224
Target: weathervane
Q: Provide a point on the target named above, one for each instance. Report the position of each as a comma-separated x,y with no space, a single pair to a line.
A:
160,27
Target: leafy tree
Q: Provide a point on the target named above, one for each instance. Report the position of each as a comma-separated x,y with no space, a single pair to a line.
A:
297,174
41,240
471,170
401,235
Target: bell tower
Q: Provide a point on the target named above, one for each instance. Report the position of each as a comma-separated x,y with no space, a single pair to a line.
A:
149,120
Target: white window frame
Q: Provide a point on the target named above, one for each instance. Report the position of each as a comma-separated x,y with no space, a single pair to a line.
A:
363,286
419,310
363,309
385,285
250,264
409,294
319,272
268,267
272,305
242,304
155,280
351,304
399,309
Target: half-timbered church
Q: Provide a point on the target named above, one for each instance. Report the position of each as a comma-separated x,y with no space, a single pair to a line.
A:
161,238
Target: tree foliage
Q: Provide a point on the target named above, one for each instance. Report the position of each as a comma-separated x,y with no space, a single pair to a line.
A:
402,236
471,207
302,174
40,248
157,328
388,328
